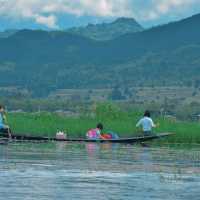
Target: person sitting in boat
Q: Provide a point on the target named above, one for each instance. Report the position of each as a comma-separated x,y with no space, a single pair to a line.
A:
95,133
146,123
3,127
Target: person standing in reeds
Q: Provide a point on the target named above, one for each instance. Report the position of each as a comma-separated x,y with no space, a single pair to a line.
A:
146,123
3,127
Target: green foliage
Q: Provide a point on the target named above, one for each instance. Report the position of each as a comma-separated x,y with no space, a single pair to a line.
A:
185,132
42,61
107,111
47,124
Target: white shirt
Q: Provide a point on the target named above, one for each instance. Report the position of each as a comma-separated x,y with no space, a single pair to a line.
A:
146,123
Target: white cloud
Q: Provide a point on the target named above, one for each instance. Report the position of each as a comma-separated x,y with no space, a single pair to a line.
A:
159,8
49,21
164,6
27,9
45,12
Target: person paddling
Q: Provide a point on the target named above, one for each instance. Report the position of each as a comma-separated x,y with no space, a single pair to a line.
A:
3,127
146,123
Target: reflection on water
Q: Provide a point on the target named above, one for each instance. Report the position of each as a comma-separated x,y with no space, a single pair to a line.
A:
98,171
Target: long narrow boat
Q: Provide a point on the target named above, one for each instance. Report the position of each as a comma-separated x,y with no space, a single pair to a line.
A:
3,141
18,137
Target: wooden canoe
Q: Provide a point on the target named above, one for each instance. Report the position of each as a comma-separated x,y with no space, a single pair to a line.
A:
121,140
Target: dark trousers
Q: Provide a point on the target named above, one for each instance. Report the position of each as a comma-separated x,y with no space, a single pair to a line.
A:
147,133
6,131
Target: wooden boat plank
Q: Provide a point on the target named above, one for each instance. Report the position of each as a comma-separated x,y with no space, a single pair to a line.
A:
121,140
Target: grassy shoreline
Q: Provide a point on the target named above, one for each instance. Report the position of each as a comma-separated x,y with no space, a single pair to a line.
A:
47,124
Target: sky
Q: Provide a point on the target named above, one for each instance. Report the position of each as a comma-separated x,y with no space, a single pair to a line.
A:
62,14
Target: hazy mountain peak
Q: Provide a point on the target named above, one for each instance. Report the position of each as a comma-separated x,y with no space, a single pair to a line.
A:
108,31
126,20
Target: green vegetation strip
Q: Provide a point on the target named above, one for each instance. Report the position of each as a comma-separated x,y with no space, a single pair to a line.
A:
47,124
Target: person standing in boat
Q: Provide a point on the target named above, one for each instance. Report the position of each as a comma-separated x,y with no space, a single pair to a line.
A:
3,127
146,123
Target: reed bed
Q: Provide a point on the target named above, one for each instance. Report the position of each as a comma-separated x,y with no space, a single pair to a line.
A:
47,124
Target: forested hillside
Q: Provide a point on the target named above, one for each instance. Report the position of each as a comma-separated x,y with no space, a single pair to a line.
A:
42,61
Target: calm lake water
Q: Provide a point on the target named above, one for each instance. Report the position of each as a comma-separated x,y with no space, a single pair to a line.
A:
98,171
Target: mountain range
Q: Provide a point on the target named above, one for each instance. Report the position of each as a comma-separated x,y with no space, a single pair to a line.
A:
43,61
7,33
108,31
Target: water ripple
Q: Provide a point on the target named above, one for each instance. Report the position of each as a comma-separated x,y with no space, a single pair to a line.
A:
96,171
